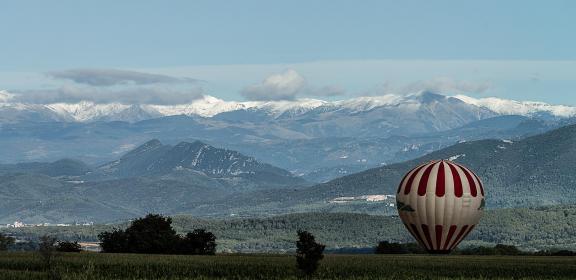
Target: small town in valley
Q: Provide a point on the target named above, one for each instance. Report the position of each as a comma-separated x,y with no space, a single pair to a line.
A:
20,224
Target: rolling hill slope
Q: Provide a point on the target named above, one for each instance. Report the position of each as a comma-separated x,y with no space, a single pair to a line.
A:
151,178
534,171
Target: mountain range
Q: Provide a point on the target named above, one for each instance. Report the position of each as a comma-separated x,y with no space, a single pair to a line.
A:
319,140
97,162
151,178
209,106
534,171
198,179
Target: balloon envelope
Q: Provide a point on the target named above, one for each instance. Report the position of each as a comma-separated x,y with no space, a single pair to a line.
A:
440,202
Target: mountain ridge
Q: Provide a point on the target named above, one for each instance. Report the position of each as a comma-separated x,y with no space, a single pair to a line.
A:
152,177
317,139
209,106
533,171
155,159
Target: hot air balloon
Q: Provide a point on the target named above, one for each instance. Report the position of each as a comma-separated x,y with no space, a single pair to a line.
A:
440,202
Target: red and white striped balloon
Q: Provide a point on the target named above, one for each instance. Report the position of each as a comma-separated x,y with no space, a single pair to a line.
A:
440,202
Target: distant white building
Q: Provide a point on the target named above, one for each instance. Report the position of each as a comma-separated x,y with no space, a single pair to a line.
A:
367,198
18,224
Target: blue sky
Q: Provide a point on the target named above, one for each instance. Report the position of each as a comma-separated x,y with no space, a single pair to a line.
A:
511,49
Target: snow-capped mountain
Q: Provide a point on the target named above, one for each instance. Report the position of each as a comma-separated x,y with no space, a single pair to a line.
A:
302,136
209,106
522,108
89,111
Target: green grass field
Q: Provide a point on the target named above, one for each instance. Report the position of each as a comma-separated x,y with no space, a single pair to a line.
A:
125,266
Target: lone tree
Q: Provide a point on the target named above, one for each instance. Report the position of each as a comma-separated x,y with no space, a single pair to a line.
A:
47,250
154,234
308,252
5,242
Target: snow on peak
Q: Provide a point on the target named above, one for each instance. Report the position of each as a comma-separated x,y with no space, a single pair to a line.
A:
523,108
85,110
294,107
207,106
366,103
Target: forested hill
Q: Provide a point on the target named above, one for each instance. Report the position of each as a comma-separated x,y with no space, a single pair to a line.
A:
537,170
544,227
534,171
151,178
155,159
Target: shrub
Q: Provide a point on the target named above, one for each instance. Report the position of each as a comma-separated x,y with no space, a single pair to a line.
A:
499,249
198,242
47,249
502,249
567,253
385,247
67,246
113,242
5,242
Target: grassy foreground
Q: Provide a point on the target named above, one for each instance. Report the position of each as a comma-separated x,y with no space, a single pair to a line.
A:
126,266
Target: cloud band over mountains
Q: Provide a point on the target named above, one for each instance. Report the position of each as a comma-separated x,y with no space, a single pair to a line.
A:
133,87
112,77
288,85
132,95
440,85
114,86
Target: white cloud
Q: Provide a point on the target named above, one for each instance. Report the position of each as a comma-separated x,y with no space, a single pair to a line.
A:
287,85
282,86
6,96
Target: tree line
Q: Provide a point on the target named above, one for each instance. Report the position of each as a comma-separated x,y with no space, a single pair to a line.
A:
540,228
154,234
386,247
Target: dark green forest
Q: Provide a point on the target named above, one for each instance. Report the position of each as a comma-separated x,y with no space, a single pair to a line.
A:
526,228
